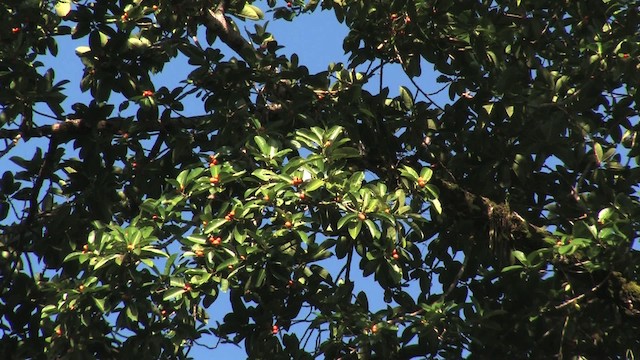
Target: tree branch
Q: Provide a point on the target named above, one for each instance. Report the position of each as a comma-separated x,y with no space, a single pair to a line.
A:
219,24
68,127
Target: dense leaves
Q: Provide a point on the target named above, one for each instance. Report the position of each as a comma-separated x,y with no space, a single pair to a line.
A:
494,213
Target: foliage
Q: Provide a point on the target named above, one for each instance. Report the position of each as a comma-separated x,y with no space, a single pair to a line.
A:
500,222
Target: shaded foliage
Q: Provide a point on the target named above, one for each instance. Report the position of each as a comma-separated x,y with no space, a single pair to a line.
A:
500,221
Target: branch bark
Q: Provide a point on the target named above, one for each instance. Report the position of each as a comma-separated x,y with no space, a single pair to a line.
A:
219,24
69,127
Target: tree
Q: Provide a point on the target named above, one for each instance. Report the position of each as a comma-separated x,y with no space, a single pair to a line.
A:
500,222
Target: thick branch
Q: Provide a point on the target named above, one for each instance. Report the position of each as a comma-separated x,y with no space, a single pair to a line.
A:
217,22
69,127
511,224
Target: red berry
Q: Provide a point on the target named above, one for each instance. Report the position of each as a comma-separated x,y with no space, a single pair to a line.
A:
275,329
296,181
213,240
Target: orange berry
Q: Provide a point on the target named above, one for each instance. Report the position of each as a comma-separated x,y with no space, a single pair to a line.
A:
374,328
81,288
154,217
296,181
362,216
187,287
58,331
124,17
395,254
302,196
155,7
266,198
275,329
147,93
213,160
421,182
214,179
288,224
199,253
213,240
85,248
230,215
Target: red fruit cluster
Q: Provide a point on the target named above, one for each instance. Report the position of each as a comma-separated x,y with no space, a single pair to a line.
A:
215,240
296,181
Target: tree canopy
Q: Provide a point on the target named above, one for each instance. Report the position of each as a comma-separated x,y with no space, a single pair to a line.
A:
497,213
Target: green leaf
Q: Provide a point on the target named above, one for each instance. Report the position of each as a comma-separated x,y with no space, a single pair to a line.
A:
509,110
132,312
437,206
197,239
407,98
251,12
354,229
343,220
606,215
214,225
597,148
63,7
409,173
373,229
520,256
313,185
173,293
